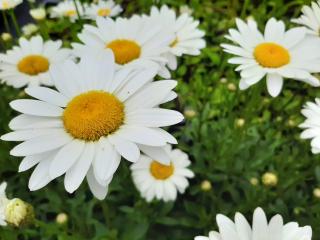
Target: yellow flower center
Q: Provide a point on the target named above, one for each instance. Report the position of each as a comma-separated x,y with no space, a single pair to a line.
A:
70,13
33,65
271,55
174,42
124,50
160,171
92,115
104,12
5,5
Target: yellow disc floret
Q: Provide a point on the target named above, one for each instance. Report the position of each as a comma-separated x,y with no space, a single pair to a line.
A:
70,13
92,115
104,12
161,171
174,42
271,55
33,65
124,50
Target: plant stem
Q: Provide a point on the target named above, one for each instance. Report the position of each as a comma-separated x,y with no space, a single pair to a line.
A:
77,9
44,29
6,23
15,22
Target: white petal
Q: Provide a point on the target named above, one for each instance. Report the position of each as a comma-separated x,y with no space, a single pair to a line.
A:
274,84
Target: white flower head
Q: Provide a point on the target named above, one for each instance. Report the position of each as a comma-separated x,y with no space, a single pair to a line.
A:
135,41
310,18
103,8
96,116
38,13
3,203
275,229
29,29
276,54
188,37
29,62
67,9
311,125
9,4
160,181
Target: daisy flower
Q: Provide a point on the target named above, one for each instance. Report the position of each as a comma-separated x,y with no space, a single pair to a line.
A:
310,18
156,180
188,37
96,116
311,111
3,203
134,41
9,4
103,9
276,54
66,9
28,63
261,229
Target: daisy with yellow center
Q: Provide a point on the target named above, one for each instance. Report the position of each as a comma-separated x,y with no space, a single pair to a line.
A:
9,4
66,9
29,63
135,41
188,38
96,116
276,54
102,8
160,181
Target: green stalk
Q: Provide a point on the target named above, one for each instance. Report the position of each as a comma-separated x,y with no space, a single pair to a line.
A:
5,20
77,9
44,29
15,22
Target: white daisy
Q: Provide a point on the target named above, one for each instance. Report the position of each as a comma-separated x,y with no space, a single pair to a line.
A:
311,111
9,4
310,18
135,42
260,230
162,181
66,9
29,29
3,203
188,37
103,9
277,54
96,116
28,63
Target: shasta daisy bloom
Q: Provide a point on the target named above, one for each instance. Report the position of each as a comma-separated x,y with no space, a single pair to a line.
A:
9,4
29,62
276,54
310,18
311,125
66,9
188,37
161,181
134,41
96,116
3,203
103,9
261,229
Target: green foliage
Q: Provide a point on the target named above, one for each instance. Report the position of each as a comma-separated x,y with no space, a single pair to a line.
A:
221,152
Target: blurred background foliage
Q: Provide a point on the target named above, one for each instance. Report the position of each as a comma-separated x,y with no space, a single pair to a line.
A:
232,138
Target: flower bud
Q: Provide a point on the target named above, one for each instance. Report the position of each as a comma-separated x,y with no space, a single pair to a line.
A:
316,192
19,213
232,87
254,181
206,186
189,113
6,37
240,122
269,179
62,218
38,14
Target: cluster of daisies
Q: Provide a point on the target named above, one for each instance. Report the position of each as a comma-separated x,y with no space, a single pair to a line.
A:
98,102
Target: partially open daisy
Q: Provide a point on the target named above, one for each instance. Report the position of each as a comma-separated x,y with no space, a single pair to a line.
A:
66,9
188,37
9,4
310,18
311,111
155,180
102,9
3,203
277,54
29,63
134,41
261,229
96,116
